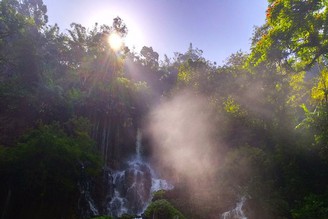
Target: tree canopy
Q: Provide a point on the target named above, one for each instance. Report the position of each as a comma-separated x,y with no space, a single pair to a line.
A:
295,33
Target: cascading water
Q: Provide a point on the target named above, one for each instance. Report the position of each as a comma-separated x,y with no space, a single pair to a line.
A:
86,203
133,186
237,212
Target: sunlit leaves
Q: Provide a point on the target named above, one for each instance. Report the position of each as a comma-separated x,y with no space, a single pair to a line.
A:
232,107
320,91
184,74
300,89
296,34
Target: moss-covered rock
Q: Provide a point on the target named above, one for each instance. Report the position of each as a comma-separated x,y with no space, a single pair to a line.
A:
103,217
162,209
127,216
160,194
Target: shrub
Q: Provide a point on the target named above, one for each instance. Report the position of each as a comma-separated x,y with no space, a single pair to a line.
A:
162,209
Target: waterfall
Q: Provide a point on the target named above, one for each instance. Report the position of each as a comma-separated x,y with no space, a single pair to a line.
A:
134,185
86,203
237,212
138,145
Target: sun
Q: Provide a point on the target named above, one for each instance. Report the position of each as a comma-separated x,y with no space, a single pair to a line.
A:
134,40
115,41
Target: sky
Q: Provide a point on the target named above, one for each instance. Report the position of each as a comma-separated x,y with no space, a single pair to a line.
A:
218,27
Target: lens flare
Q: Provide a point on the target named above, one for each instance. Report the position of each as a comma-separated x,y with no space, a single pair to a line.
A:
115,41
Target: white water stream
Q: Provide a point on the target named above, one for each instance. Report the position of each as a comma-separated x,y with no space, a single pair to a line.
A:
237,212
133,186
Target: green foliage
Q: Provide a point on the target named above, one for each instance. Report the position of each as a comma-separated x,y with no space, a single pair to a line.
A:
162,209
232,107
43,165
150,57
127,216
313,206
320,90
295,33
103,217
160,194
300,89
243,169
316,122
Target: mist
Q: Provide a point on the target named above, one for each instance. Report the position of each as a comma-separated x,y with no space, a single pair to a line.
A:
181,132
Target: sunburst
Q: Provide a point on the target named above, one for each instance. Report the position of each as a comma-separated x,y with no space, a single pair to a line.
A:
115,41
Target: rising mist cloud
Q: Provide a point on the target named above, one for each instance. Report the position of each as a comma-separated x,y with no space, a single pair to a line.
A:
181,130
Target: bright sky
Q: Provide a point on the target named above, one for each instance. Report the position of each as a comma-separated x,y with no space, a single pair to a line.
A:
218,27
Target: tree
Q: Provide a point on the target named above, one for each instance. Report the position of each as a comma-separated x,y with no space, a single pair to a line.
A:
41,173
21,64
295,33
150,56
21,24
